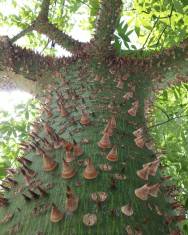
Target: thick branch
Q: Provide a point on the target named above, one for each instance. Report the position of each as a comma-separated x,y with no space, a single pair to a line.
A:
44,9
27,63
171,64
42,25
108,16
59,37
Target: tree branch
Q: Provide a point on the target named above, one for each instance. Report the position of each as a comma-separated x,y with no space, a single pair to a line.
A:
154,25
44,10
163,111
42,25
31,65
171,64
45,46
22,33
161,34
170,119
109,13
59,37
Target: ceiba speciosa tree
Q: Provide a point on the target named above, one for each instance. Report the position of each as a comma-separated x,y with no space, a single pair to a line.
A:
90,166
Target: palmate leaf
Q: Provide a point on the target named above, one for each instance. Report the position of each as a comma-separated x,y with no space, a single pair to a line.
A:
122,36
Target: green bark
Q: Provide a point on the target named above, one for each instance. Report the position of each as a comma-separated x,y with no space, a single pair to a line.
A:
102,99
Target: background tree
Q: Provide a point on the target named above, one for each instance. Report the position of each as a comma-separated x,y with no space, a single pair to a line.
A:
89,165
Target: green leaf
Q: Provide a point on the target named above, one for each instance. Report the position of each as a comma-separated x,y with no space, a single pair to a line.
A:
117,44
134,47
178,6
124,28
125,38
126,44
165,95
129,32
137,30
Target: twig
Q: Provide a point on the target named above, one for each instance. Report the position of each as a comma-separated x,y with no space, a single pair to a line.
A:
163,111
161,34
170,16
62,7
170,119
146,12
150,33
45,46
84,3
159,18
22,33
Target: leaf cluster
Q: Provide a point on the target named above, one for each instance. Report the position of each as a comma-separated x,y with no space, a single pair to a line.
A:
14,128
169,121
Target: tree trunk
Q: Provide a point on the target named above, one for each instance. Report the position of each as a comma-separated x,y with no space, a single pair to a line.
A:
96,106
90,167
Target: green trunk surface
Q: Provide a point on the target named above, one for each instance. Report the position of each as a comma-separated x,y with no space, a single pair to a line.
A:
101,99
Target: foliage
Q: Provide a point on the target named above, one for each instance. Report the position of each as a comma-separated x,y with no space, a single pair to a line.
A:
159,24
144,24
168,123
155,25
14,128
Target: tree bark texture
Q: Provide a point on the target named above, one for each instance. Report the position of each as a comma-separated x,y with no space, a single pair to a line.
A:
78,107
90,167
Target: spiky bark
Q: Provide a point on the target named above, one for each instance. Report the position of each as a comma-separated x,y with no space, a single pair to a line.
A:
89,152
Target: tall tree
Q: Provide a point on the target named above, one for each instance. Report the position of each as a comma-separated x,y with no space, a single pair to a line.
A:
90,166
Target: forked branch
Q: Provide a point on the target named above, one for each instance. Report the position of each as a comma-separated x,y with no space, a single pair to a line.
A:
42,25
59,37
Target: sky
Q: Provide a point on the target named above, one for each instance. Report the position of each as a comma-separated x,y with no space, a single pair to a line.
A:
8,100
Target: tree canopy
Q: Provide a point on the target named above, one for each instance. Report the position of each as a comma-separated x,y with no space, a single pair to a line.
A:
153,24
